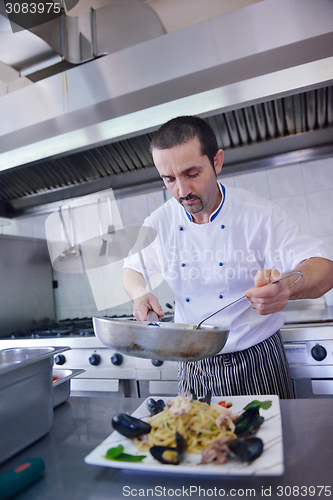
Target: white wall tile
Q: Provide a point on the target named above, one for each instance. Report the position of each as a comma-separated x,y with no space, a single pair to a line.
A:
119,203
296,207
155,199
228,181
85,222
90,311
86,294
256,182
135,209
285,181
69,312
320,205
68,291
6,227
168,195
123,310
38,226
22,227
318,174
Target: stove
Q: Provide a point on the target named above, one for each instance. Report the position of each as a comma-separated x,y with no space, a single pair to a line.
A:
307,336
309,350
107,372
308,340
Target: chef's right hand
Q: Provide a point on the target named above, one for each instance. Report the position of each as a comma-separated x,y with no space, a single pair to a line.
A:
147,302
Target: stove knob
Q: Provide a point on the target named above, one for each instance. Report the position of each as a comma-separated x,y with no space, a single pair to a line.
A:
116,359
157,362
318,352
95,359
60,359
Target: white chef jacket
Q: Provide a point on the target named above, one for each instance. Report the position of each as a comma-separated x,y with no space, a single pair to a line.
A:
207,266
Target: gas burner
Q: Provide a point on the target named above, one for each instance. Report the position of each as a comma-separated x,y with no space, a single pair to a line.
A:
51,332
86,332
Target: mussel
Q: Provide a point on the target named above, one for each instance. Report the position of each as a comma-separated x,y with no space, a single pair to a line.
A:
208,398
194,396
155,407
129,426
170,455
247,449
248,422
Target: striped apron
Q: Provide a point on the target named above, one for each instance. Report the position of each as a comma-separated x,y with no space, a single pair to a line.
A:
260,369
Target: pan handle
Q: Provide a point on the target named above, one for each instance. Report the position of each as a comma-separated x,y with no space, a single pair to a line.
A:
152,316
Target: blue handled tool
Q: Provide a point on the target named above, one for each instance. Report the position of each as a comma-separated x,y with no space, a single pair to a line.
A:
17,480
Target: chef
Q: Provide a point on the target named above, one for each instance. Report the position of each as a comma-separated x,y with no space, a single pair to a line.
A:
215,244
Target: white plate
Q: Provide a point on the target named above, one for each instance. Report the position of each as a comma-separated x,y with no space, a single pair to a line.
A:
270,463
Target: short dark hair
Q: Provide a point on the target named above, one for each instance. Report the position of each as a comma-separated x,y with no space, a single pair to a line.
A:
183,129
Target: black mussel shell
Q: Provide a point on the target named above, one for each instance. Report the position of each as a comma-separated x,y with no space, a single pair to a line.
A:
170,455
129,426
208,398
247,449
248,422
155,407
181,445
194,396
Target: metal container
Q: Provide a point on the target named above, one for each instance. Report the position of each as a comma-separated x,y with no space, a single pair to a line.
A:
158,340
26,396
62,385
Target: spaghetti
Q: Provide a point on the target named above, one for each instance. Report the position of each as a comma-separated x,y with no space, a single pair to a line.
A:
200,425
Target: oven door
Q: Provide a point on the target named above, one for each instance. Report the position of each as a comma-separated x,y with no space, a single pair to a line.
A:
313,388
311,379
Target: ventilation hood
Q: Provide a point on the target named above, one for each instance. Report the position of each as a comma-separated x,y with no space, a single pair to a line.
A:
261,75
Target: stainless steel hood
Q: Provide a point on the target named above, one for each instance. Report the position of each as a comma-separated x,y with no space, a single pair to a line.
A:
261,75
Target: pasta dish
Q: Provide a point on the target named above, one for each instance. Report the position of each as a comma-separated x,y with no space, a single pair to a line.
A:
199,423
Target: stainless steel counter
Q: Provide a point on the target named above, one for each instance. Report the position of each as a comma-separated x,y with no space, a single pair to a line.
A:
307,311
82,423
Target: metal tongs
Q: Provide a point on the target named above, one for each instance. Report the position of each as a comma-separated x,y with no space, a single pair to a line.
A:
243,296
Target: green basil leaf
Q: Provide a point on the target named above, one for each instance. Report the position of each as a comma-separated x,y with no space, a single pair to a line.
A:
113,453
118,455
259,404
125,457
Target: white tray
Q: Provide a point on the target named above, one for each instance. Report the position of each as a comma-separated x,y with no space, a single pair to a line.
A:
270,463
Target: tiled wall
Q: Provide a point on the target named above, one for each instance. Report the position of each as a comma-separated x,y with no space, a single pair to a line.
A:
304,190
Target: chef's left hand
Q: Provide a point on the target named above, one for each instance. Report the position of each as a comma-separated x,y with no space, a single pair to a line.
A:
265,298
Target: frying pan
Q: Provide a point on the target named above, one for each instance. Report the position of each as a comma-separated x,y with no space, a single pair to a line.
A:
160,340
166,341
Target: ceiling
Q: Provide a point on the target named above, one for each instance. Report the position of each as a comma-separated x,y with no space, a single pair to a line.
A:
174,15
268,98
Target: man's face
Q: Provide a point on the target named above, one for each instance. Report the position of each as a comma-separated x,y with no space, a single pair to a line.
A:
190,177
